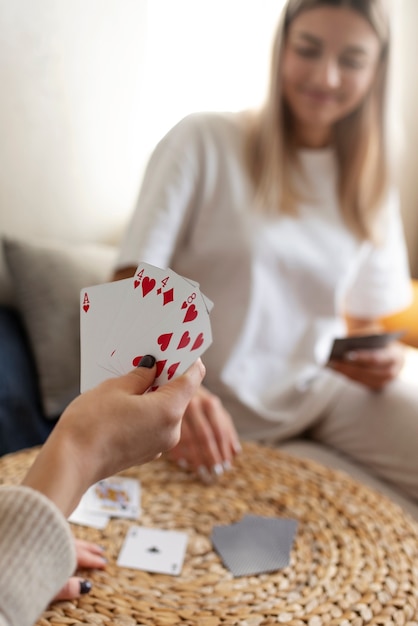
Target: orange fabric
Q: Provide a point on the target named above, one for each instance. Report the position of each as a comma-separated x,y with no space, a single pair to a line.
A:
407,320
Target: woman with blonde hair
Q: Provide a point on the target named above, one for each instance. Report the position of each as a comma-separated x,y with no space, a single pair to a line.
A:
359,138
288,219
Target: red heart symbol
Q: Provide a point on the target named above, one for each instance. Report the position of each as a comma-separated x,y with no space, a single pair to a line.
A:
148,285
136,283
198,341
191,314
86,307
184,341
160,367
172,370
183,306
164,341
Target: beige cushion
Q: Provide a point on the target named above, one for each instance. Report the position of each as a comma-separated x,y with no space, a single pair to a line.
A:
47,278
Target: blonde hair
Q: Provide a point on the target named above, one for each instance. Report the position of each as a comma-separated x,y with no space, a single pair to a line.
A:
359,139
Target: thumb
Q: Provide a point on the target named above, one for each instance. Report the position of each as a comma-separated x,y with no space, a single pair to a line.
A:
143,375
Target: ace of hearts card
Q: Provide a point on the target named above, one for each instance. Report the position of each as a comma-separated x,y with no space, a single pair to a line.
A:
155,312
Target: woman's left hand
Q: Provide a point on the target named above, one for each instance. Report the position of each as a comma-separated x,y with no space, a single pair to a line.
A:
89,555
373,368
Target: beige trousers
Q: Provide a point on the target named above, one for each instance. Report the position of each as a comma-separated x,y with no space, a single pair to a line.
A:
378,430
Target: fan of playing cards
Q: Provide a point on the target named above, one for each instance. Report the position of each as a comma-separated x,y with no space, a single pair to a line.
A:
155,312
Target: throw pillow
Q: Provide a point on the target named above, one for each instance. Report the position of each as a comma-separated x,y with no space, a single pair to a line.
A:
47,278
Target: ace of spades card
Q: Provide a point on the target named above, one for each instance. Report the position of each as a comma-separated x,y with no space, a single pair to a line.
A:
153,550
156,312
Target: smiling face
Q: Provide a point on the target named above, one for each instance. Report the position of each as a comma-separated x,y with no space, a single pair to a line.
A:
329,63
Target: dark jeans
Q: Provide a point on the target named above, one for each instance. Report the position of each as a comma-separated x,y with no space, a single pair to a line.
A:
22,423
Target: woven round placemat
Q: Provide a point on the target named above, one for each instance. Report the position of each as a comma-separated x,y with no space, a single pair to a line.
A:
354,559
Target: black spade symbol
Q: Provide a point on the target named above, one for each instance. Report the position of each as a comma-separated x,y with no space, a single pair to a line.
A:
154,550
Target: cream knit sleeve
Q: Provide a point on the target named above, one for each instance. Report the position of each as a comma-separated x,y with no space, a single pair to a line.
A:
37,554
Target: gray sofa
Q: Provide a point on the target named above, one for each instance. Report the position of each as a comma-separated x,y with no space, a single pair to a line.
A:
39,338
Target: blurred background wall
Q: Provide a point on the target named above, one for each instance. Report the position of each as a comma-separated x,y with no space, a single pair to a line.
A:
406,80
71,76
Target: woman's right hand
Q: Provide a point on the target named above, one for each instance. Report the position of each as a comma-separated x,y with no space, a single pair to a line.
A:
110,428
208,441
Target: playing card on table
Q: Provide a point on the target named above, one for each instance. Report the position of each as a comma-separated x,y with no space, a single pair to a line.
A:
255,545
153,550
115,496
83,517
156,312
343,345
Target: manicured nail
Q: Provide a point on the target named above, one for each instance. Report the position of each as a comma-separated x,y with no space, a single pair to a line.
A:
227,465
85,586
183,464
147,361
217,469
350,356
237,447
204,474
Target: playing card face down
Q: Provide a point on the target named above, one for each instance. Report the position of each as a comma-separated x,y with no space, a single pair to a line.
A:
153,550
343,345
156,312
255,545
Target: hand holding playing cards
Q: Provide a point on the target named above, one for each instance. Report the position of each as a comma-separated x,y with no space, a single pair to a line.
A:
374,368
110,428
208,441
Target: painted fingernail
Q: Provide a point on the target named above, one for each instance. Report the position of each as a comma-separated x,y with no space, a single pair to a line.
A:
183,464
85,586
204,474
350,356
217,469
237,447
227,465
147,361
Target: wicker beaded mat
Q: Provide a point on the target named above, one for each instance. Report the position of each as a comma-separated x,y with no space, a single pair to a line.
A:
354,560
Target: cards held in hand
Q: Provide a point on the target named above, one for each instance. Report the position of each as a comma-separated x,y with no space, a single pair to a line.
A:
155,312
345,345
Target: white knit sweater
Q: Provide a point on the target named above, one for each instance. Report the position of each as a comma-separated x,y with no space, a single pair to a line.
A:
36,554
